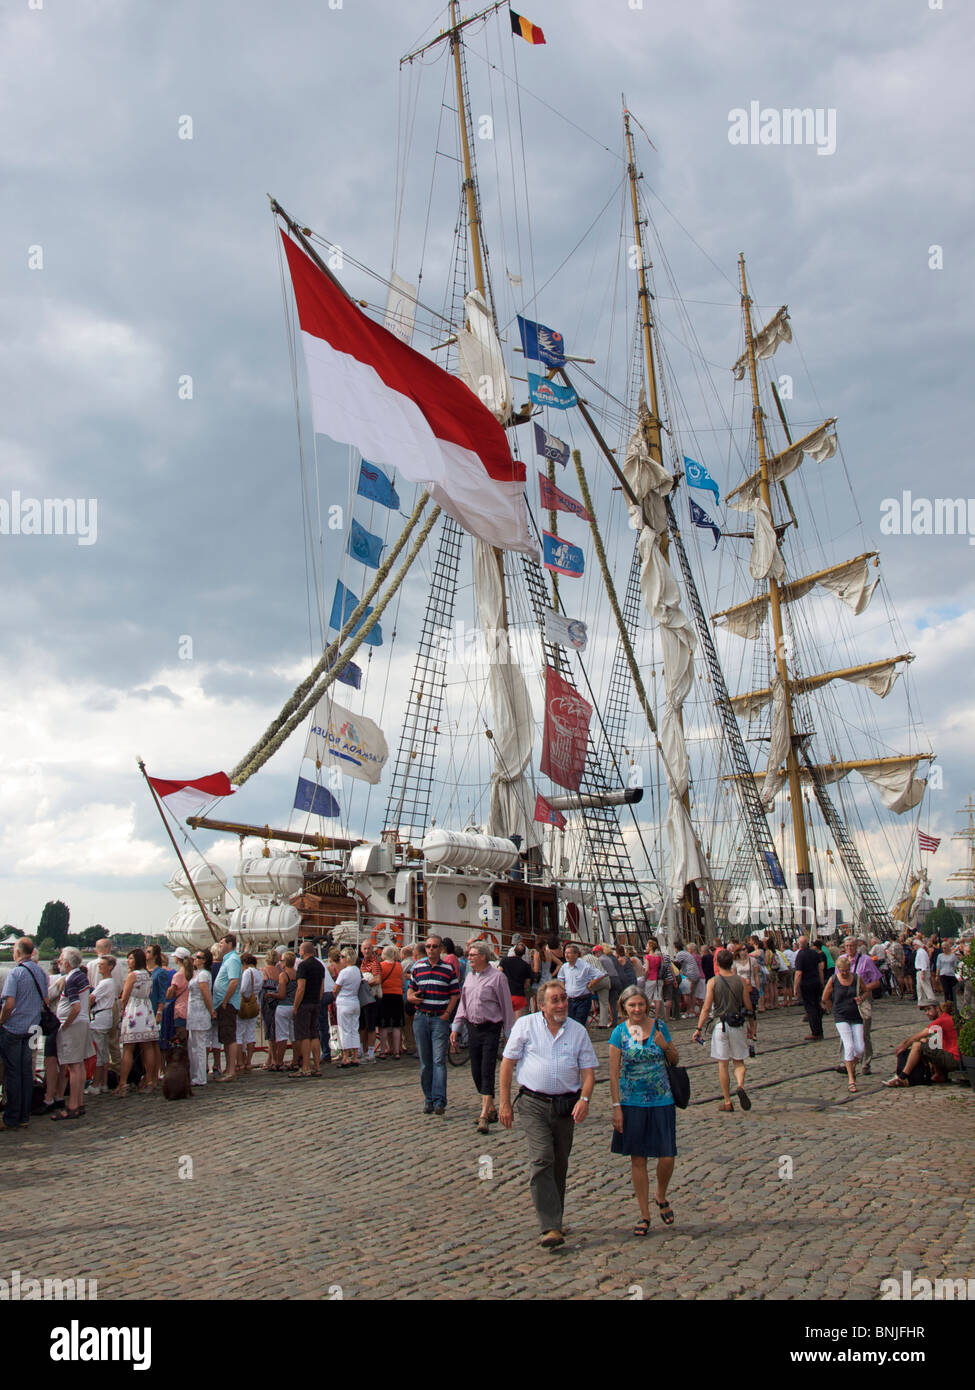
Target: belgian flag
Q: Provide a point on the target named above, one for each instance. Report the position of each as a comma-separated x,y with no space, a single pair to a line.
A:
525,29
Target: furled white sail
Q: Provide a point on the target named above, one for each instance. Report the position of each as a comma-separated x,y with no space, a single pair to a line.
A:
819,444
767,341
512,804
900,790
851,582
651,484
766,559
879,678
480,364
779,749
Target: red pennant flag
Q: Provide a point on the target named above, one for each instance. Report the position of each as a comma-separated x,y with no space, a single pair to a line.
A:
547,814
567,717
553,499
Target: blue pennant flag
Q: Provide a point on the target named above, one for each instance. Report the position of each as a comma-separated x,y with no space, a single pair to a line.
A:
317,800
350,675
541,344
562,557
343,604
545,392
363,545
700,518
698,476
549,447
374,484
777,877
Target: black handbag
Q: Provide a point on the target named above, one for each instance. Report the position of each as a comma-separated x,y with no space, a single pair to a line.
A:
680,1082
49,1020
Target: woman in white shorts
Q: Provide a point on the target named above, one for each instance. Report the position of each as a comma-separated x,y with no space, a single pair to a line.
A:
844,990
729,1045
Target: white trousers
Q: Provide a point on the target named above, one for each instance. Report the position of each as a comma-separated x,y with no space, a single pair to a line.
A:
851,1036
196,1045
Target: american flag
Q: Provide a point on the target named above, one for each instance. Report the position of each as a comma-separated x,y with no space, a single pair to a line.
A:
927,842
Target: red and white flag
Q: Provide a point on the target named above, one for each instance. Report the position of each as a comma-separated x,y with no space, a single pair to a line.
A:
927,842
183,797
567,717
401,410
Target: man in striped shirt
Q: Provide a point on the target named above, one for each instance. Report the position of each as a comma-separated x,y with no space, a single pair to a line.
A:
435,990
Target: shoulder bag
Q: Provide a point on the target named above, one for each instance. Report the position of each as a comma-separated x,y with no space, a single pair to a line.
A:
49,1019
680,1082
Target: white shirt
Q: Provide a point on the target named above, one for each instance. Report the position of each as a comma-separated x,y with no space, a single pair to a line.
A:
549,1064
576,977
922,961
103,997
118,974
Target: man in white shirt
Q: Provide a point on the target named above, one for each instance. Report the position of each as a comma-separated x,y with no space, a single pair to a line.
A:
581,980
922,967
556,1075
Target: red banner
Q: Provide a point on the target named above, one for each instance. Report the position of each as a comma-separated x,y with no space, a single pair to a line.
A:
547,814
553,499
567,718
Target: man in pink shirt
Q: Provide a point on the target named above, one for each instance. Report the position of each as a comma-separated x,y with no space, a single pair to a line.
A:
485,1006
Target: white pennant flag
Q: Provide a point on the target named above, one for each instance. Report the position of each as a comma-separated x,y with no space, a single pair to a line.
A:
350,742
567,632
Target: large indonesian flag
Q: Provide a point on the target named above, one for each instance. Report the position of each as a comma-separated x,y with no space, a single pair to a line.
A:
399,409
183,797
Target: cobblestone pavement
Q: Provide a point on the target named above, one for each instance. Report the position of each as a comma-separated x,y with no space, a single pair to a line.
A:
344,1188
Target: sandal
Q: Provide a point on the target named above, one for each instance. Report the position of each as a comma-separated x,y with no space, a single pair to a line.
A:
728,1109
896,1081
666,1213
120,1091
851,1088
642,1228
66,1115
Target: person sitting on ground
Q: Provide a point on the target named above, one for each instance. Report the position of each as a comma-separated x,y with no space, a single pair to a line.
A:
935,1047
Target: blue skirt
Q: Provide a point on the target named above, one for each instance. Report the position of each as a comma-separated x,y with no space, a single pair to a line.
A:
649,1131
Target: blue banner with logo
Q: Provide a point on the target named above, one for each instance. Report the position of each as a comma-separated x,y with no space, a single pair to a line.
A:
700,518
545,392
364,546
562,557
549,447
374,484
698,476
541,344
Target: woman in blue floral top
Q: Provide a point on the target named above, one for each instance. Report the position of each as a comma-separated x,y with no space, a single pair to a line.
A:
644,1123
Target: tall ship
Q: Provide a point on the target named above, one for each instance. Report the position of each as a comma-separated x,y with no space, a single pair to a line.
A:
618,705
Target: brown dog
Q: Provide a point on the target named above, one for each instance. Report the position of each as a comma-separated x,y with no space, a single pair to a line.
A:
176,1082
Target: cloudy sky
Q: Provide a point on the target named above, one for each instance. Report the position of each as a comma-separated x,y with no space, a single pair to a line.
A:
133,259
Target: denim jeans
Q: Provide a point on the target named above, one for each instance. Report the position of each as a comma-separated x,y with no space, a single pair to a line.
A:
580,1008
18,1078
432,1035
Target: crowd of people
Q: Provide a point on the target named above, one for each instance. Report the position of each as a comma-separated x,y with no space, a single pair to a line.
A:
534,1007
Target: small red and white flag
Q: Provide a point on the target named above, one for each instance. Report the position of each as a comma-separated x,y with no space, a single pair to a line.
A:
927,843
183,797
402,411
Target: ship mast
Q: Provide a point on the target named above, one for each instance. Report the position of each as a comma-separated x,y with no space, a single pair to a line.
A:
690,905
966,900
804,877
